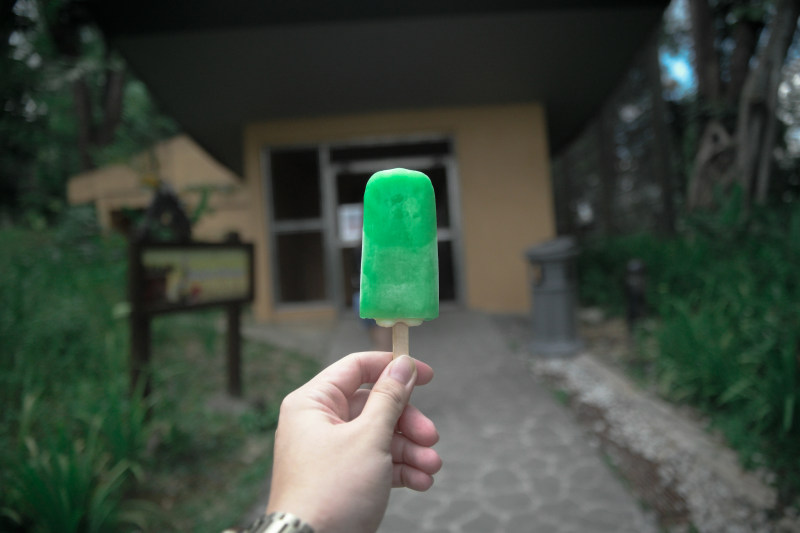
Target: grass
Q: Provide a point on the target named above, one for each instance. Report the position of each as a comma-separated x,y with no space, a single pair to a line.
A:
206,443
724,302
77,452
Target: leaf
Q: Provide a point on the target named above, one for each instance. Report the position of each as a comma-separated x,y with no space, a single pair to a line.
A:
736,391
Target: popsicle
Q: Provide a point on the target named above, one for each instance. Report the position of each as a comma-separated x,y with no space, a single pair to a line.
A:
399,257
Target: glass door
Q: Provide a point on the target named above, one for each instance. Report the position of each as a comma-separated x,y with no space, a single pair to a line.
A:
315,196
349,180
298,233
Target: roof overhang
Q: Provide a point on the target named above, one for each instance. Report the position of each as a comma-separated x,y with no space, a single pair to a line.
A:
216,66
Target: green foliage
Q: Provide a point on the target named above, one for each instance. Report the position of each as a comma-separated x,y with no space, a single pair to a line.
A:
142,125
57,289
68,486
205,442
74,443
71,437
726,295
40,126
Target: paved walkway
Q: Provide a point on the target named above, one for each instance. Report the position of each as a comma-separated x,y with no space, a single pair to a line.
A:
514,458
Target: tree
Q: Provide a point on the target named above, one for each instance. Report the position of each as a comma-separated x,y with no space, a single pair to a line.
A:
77,62
19,124
739,50
69,104
96,76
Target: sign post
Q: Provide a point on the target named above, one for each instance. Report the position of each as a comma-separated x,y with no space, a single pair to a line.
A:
233,313
139,326
187,276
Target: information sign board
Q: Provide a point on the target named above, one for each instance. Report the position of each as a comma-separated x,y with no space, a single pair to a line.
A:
180,277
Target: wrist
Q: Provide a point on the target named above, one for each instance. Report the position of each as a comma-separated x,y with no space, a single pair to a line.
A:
308,512
277,522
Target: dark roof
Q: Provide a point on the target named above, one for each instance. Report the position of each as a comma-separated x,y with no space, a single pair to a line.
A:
216,65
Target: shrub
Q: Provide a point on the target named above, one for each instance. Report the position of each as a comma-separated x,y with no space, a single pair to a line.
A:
726,297
68,486
70,435
73,442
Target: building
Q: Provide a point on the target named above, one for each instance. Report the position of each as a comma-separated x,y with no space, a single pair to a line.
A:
121,192
306,99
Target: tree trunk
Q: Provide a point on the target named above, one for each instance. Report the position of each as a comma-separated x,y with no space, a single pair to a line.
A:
715,139
712,165
765,158
745,38
83,111
706,58
91,135
756,125
743,156
663,164
112,105
93,132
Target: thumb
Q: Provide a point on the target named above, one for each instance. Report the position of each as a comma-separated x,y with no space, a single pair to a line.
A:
390,394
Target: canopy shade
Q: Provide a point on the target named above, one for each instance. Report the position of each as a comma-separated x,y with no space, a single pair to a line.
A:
216,66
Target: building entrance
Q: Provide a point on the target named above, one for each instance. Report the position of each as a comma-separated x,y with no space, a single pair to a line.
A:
316,253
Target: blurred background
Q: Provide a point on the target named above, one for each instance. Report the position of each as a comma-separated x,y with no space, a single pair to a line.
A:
662,133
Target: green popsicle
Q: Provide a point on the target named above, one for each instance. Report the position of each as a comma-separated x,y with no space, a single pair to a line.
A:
399,258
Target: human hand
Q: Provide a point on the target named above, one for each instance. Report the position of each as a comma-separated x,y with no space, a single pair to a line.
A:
339,448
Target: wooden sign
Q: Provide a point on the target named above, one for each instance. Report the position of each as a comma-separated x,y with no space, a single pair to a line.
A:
181,277
186,276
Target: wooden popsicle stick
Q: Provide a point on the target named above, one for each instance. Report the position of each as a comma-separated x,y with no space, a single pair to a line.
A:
400,340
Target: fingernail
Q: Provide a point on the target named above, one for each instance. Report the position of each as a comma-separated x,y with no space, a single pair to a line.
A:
402,369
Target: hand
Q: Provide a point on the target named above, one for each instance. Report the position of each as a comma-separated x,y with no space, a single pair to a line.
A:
339,448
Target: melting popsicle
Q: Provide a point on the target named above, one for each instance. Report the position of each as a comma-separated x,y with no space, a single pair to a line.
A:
399,258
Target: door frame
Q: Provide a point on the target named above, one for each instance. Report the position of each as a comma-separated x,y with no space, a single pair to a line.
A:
332,247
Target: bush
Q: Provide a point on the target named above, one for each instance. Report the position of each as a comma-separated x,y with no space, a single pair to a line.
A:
726,297
70,435
74,443
68,486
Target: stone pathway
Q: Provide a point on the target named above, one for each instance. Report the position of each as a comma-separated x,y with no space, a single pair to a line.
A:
514,458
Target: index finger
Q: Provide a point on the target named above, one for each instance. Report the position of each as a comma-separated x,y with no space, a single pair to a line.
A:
356,369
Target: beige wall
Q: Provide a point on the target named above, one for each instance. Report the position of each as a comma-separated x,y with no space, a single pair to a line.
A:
229,211
188,169
185,164
106,182
505,193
